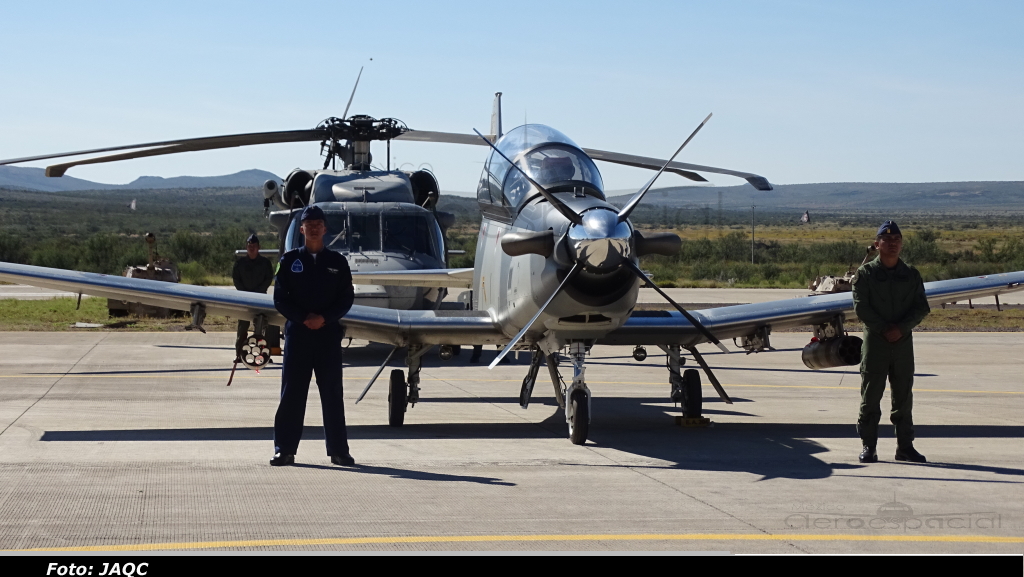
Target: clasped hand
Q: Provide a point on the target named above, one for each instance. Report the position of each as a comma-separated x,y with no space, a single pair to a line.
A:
314,321
892,333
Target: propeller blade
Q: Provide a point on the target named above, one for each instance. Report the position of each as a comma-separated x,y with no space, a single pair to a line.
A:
693,320
273,136
191,145
628,208
560,206
344,115
572,272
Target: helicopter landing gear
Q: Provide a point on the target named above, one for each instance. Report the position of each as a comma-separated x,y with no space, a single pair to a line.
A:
403,394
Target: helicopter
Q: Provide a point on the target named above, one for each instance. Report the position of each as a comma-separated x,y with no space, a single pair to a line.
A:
556,272
382,220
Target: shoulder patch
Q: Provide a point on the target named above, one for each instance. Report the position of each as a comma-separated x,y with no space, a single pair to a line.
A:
297,265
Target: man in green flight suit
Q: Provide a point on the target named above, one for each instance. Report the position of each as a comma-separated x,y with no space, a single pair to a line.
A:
252,273
889,298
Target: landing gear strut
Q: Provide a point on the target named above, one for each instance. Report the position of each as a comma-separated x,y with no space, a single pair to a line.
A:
577,396
531,378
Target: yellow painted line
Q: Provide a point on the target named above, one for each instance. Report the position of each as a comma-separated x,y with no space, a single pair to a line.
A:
539,538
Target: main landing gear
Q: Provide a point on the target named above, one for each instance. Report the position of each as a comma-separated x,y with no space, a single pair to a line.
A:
574,399
401,393
686,389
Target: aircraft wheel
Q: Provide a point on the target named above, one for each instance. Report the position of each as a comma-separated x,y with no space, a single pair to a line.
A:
397,398
579,425
692,394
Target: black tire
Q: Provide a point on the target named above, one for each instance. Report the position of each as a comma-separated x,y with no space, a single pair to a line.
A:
397,398
579,426
692,394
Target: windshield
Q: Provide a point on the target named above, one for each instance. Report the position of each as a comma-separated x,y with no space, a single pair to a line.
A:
401,232
551,166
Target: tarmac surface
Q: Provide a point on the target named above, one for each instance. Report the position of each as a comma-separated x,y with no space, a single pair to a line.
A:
131,441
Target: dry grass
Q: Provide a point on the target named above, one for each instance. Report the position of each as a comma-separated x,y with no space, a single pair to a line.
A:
59,314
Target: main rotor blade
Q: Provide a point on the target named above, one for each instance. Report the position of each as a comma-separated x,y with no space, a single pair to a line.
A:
681,168
196,144
693,320
572,272
344,115
446,137
318,136
560,206
628,208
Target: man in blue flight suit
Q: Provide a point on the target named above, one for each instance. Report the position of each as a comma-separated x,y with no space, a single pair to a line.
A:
313,291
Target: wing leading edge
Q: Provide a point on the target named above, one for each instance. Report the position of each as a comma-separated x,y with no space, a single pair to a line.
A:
362,322
670,327
477,327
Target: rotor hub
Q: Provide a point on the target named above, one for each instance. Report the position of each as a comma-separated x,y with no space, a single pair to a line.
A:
601,243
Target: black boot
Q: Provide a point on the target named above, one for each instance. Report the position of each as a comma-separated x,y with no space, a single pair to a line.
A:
868,455
282,460
345,460
909,453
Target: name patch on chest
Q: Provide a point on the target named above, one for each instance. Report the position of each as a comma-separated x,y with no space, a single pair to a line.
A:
332,270
297,266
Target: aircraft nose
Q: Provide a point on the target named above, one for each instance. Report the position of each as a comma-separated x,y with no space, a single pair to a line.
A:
601,243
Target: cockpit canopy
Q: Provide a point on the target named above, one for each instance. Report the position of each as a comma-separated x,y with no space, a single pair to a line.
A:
548,156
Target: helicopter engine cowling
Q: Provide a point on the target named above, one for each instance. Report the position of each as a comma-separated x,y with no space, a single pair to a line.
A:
296,190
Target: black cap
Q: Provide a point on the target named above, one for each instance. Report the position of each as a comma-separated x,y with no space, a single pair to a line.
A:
253,239
889,227
312,213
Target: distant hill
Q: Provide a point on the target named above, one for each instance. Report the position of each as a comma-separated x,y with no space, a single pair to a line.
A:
35,179
927,196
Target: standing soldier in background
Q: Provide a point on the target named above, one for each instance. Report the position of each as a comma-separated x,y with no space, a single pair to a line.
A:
889,298
252,273
313,291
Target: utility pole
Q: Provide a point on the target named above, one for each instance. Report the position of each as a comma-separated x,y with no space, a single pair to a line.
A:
752,234
719,214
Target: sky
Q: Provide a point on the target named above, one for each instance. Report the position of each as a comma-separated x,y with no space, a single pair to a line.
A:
801,92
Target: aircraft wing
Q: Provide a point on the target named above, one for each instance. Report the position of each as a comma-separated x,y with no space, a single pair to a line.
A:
670,327
362,322
681,168
445,277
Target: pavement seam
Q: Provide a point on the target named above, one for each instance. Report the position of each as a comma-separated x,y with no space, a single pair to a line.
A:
684,493
54,384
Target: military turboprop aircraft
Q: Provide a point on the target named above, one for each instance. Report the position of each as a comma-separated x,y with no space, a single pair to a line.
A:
556,271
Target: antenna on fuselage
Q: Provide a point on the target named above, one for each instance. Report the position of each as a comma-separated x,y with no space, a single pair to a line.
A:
496,117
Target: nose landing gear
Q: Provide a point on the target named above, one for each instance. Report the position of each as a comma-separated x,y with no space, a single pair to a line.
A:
577,396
